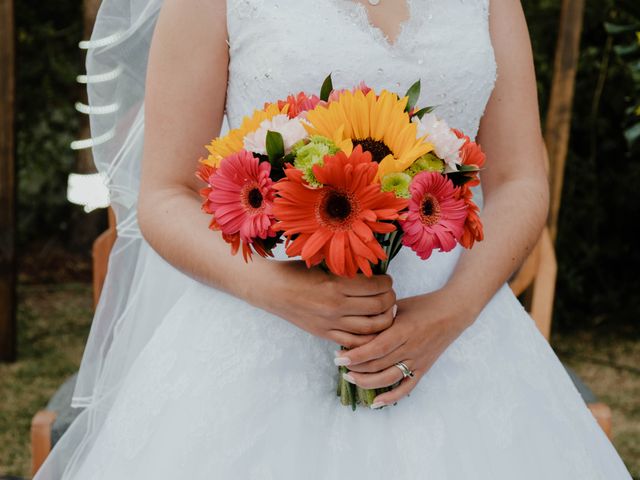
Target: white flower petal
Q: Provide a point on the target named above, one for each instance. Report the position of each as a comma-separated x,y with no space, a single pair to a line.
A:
291,130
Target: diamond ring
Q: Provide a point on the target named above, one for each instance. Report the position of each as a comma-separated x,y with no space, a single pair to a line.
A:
406,371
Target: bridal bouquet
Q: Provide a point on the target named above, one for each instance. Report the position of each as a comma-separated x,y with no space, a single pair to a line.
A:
346,178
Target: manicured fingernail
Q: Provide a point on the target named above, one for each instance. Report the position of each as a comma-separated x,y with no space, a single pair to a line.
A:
395,310
340,361
348,378
377,405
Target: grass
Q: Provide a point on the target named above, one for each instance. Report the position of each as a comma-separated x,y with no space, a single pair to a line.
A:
54,322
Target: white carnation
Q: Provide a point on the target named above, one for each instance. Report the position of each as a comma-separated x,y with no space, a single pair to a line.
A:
291,130
445,143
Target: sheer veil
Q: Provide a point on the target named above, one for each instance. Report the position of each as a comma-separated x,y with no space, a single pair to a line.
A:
140,286
116,62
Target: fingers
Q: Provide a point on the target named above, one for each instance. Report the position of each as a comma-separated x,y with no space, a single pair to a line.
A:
392,396
384,378
349,340
367,324
363,286
383,344
370,305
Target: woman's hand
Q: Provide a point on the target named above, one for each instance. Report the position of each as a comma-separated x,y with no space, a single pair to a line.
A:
349,311
424,327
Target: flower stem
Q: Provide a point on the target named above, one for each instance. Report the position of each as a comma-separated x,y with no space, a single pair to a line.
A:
344,388
349,393
367,395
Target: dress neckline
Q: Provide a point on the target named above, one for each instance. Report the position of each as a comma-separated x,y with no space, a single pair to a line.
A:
360,14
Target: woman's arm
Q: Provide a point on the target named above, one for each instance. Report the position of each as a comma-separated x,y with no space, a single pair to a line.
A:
516,195
184,104
514,184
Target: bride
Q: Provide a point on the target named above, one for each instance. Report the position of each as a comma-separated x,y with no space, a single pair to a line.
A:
201,366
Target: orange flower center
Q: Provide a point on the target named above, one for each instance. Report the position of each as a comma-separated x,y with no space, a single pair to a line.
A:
251,197
377,148
337,209
430,210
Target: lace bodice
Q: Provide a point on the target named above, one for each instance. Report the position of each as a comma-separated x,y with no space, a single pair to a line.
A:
278,47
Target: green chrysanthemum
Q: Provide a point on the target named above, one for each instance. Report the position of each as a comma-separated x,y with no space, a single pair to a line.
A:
428,162
397,183
312,153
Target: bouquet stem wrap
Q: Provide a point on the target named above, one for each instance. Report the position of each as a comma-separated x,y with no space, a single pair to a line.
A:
349,393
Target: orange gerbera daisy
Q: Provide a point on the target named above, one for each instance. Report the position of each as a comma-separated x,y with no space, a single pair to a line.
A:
337,223
205,173
473,225
471,154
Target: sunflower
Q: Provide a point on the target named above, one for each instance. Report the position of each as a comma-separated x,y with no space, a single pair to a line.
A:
338,222
233,141
378,123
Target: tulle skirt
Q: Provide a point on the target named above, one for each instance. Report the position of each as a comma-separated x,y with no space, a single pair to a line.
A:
225,390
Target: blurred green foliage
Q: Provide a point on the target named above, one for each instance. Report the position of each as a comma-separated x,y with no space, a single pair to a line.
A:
598,279
47,62
598,267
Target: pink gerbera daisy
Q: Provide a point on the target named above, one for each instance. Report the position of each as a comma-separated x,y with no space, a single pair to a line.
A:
335,94
436,217
298,104
241,197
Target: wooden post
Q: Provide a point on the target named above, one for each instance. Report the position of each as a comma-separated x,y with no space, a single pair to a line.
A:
7,185
558,122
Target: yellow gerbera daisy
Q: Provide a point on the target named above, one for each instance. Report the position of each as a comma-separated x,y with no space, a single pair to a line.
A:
233,141
379,124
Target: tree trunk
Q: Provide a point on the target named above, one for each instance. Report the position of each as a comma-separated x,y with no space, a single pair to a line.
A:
7,184
558,122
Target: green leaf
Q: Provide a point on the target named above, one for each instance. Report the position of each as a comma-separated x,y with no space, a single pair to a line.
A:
615,29
413,93
632,134
275,146
327,88
458,178
469,168
623,50
422,112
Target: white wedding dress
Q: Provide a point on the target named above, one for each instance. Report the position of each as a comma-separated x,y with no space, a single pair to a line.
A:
224,390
